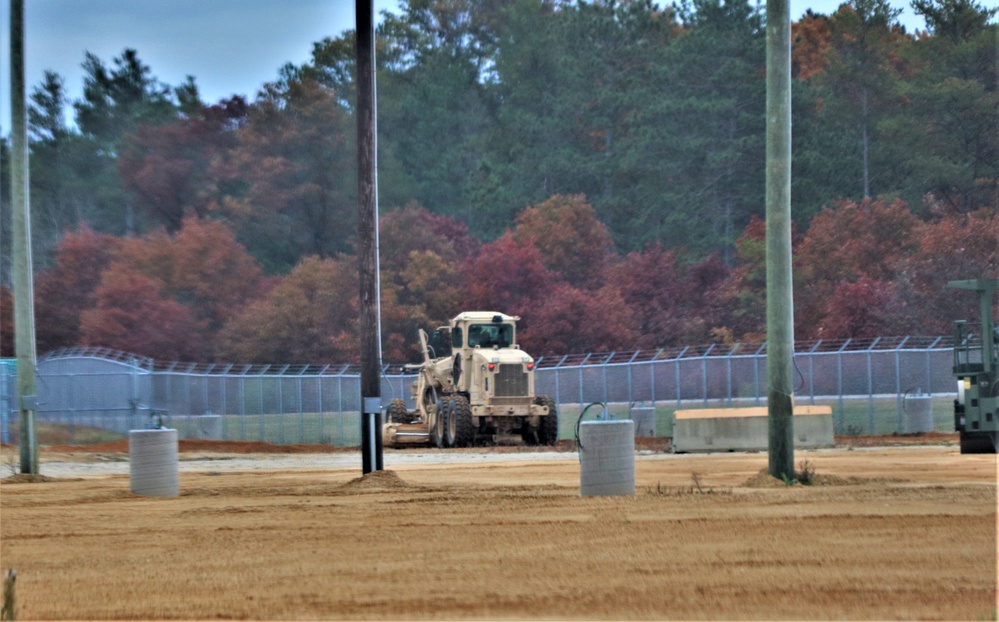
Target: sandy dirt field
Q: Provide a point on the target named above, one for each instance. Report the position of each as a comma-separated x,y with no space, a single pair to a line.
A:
886,533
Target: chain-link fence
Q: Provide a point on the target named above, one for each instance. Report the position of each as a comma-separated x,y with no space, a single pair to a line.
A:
92,395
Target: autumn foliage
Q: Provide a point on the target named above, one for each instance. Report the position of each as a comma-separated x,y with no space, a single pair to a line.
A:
862,269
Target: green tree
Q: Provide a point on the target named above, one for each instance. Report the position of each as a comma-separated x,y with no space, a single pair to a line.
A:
290,186
859,91
951,131
116,101
55,207
441,53
708,142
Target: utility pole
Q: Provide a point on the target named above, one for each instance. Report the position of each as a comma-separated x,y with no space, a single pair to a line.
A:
24,312
367,211
780,301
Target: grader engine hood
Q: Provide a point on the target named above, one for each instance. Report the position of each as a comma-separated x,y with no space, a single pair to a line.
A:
502,384
509,372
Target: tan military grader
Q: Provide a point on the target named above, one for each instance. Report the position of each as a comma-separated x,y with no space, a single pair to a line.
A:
475,385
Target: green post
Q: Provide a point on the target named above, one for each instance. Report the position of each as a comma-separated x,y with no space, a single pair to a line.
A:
24,313
780,305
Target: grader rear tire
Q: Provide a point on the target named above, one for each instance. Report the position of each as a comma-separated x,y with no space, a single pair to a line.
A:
548,430
397,412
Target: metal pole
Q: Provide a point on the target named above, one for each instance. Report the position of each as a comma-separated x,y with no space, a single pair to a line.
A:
371,438
24,313
780,307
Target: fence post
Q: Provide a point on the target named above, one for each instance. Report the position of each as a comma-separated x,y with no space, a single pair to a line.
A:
301,410
242,403
260,396
811,372
839,384
322,432
756,373
929,373
704,373
604,370
728,370
898,387
870,386
677,363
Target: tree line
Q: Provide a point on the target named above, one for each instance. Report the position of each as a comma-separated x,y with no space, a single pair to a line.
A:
595,167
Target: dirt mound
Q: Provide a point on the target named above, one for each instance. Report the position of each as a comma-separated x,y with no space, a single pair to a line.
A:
763,479
376,481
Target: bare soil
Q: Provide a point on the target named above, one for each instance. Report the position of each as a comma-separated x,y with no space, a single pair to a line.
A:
886,533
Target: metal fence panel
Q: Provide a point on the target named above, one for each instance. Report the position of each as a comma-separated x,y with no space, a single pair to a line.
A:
93,396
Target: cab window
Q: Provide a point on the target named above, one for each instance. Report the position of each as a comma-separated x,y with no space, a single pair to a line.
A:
456,337
490,335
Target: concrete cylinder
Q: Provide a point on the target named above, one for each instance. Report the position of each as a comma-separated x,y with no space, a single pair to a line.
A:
918,413
152,457
606,458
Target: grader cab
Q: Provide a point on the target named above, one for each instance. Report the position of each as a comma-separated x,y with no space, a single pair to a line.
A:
475,385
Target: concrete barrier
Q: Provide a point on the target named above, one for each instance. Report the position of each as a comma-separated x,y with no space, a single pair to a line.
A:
745,429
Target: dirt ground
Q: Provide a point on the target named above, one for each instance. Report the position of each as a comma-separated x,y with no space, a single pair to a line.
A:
886,533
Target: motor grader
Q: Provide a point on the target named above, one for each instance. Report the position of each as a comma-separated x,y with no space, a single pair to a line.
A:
475,385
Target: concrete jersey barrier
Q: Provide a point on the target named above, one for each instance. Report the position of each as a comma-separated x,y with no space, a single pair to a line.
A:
745,429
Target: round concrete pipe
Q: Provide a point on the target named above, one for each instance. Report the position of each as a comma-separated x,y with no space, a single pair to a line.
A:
606,458
152,456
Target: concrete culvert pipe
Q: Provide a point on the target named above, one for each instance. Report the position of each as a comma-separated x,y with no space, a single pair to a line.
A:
606,458
152,457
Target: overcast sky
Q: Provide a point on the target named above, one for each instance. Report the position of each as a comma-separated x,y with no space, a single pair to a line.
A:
229,46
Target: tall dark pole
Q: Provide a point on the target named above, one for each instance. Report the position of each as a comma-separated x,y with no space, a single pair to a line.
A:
367,219
24,312
780,306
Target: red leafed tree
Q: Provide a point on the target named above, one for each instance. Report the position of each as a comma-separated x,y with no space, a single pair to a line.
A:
656,289
131,314
310,316
865,308
843,245
413,228
421,258
202,267
573,243
68,288
955,247
510,277
507,276
574,320
811,40
168,169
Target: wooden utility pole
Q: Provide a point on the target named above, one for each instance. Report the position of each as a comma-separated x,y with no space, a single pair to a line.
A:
780,305
367,219
24,308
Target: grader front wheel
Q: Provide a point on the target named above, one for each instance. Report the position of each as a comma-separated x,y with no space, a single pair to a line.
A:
460,418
